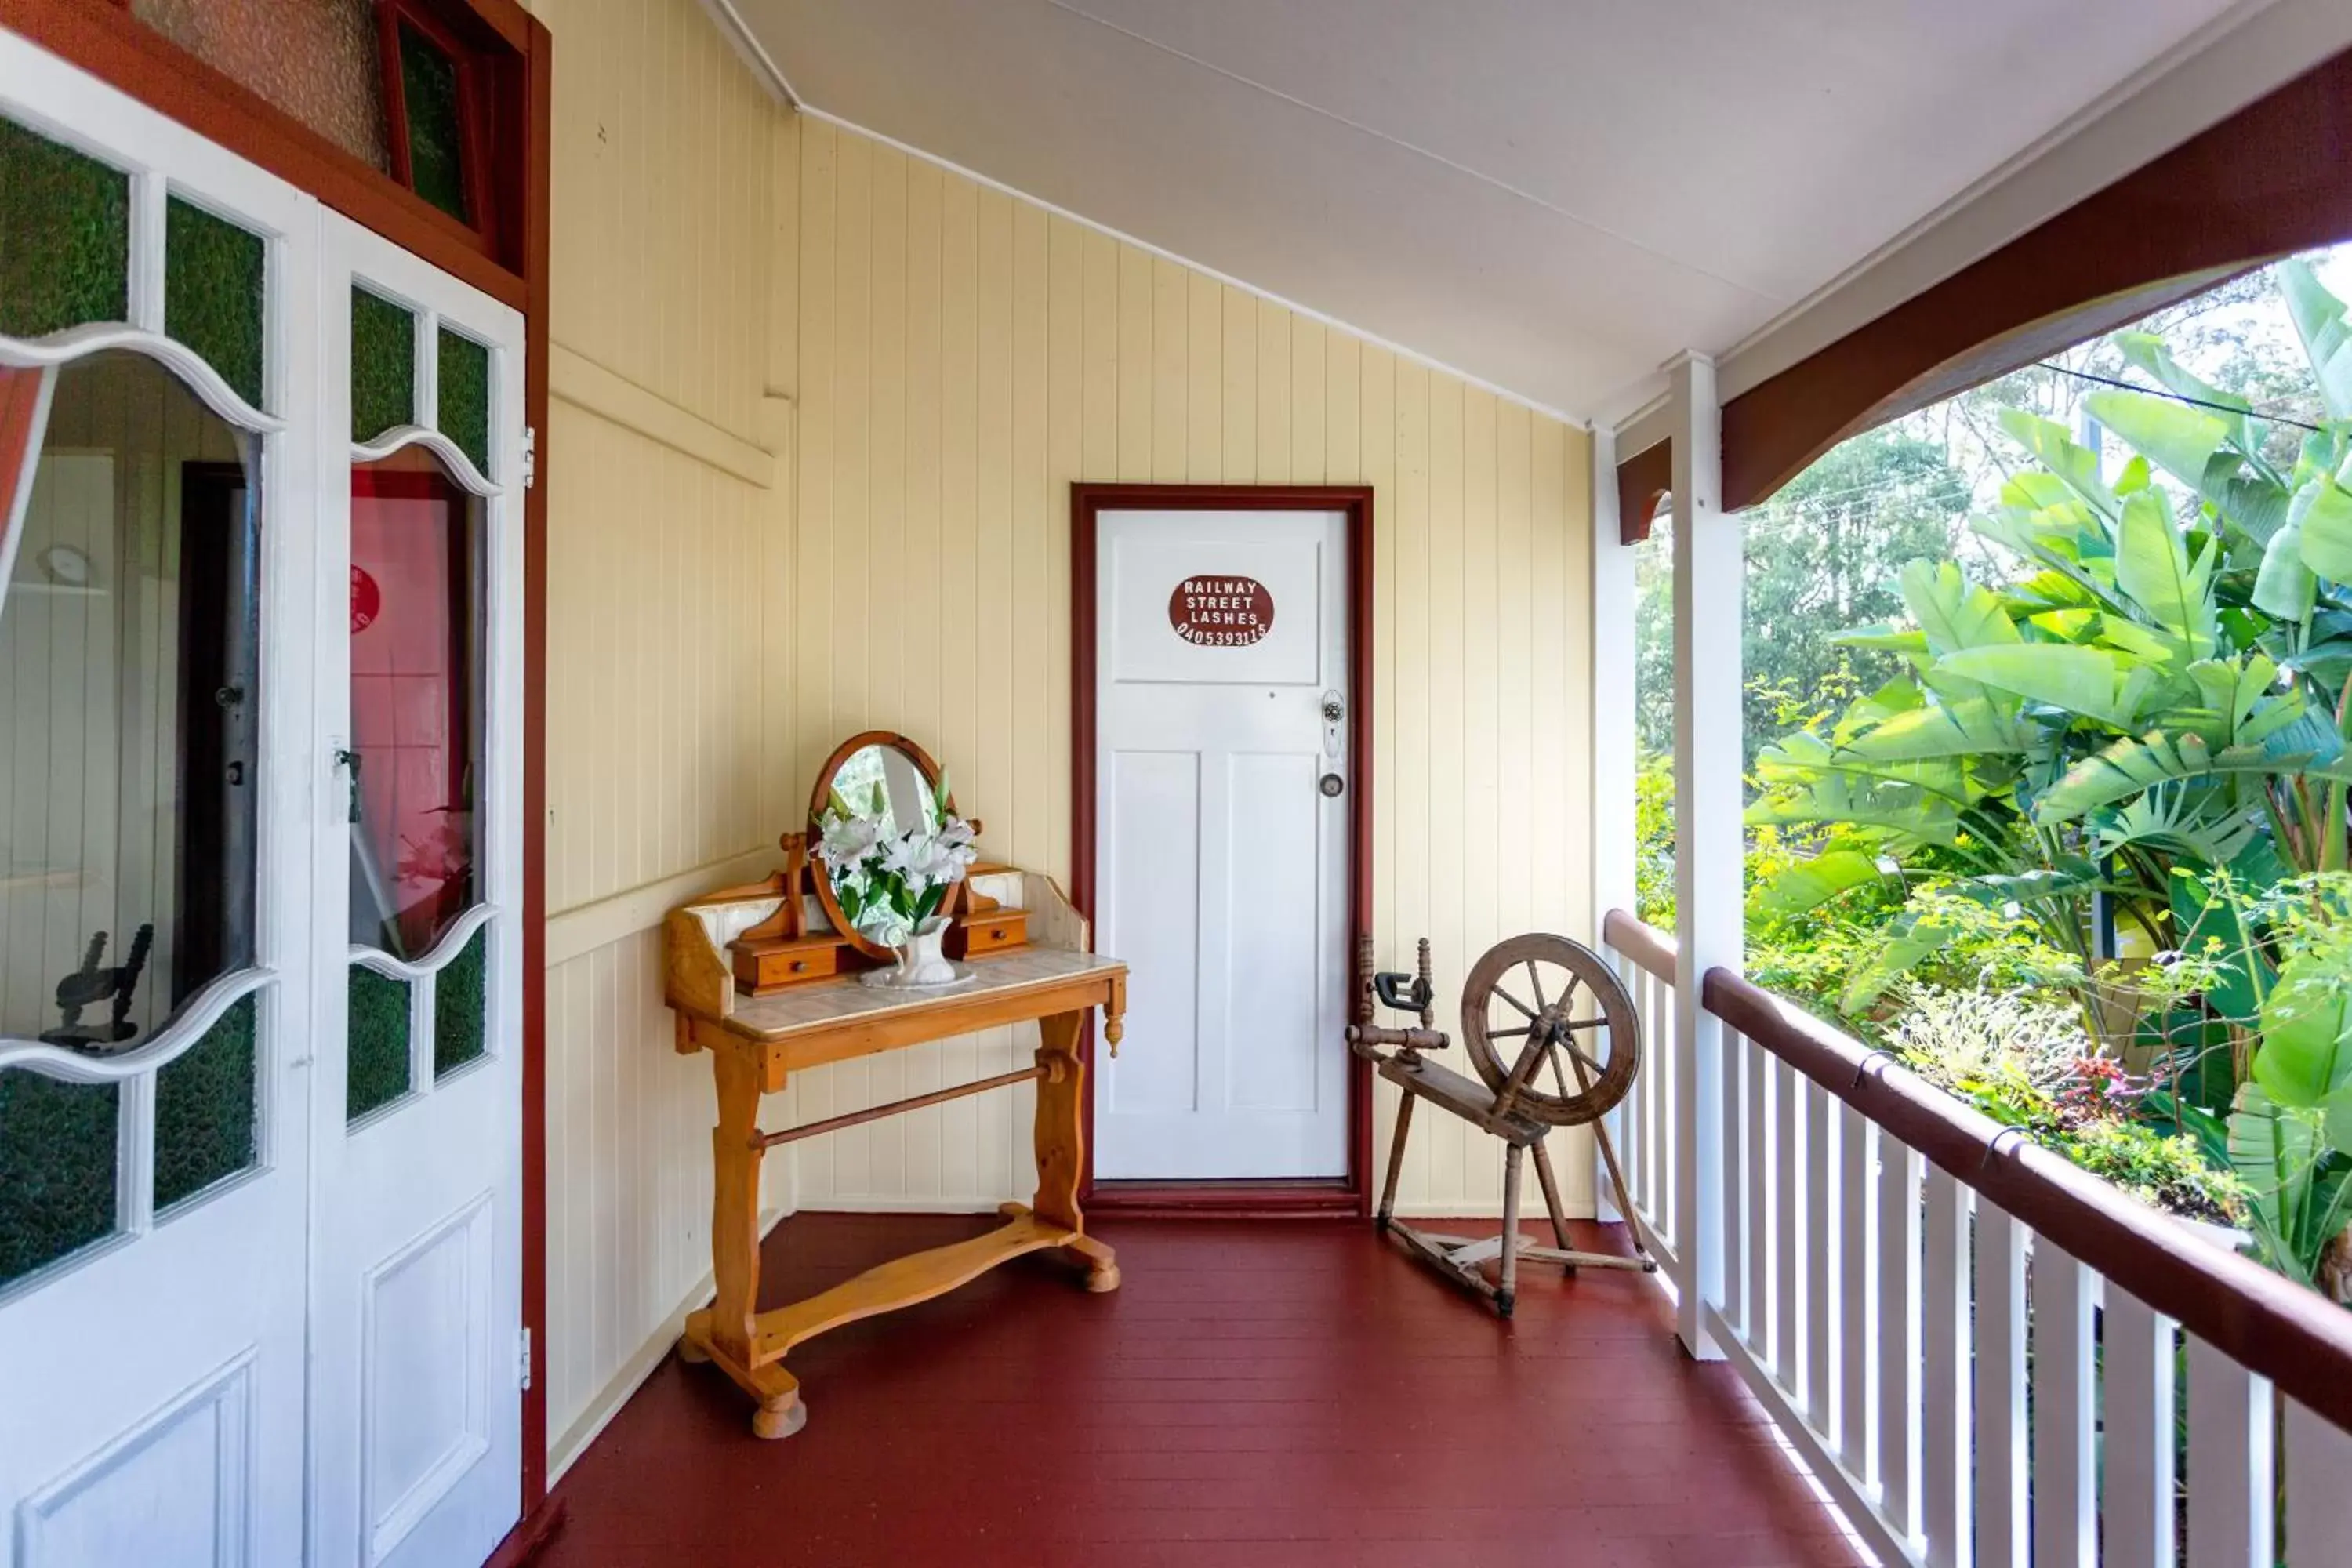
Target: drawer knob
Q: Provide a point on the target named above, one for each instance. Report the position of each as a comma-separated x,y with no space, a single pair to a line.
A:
996,934
799,964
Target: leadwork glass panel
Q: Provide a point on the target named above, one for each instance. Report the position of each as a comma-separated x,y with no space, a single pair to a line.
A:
57,1160
215,288
465,396
460,1000
205,1108
65,236
383,365
378,1063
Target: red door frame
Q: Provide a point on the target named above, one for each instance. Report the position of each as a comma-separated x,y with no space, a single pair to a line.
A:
1353,1194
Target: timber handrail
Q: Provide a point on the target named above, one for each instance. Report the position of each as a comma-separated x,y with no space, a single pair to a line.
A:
2269,1325
1651,950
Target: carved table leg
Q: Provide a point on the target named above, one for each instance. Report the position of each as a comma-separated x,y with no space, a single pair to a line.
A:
1062,1145
725,1332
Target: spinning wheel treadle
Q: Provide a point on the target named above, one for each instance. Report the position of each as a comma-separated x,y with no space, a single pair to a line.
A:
1556,1041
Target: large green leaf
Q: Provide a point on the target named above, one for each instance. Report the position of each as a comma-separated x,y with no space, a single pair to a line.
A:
2192,444
1809,884
2148,352
2171,818
2096,682
2152,565
2323,511
2076,466
2275,1152
2132,765
2285,587
1971,726
1953,613
1913,940
2318,318
2305,1056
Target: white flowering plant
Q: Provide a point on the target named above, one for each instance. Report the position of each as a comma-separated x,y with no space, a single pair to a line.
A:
891,882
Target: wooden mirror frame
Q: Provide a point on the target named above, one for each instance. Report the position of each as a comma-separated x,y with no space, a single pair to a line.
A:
819,872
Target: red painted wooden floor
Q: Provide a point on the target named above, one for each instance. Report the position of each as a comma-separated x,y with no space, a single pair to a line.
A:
1256,1393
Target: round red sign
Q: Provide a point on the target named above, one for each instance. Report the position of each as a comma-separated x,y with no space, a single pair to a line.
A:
367,600
1221,611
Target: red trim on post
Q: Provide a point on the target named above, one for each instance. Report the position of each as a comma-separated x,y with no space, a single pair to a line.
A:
536,182
1644,480
1352,1194
2274,178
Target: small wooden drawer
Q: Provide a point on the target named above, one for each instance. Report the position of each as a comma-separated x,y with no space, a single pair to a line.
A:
989,931
763,968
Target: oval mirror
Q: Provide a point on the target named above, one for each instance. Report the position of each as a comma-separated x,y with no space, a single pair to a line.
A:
872,789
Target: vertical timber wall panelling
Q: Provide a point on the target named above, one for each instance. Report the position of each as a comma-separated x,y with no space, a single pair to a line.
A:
662,567
961,356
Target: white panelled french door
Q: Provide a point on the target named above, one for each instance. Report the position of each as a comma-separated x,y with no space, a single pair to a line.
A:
260,865
158,786
1222,841
415,1400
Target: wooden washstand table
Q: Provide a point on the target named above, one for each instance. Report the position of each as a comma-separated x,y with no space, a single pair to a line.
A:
756,1044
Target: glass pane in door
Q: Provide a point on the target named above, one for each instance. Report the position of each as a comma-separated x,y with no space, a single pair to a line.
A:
129,705
417,702
417,564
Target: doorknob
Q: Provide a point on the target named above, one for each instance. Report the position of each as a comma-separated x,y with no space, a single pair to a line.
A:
1335,713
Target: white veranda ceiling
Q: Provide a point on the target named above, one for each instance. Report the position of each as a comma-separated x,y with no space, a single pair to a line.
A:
1553,196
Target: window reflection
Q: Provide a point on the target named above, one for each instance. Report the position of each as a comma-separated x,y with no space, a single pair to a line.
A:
128,702
417,543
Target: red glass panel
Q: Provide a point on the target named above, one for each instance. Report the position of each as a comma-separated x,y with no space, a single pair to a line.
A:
415,704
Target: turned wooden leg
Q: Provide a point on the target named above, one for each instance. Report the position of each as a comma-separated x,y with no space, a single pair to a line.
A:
735,1207
1507,1297
1061,1139
1396,1161
1062,1144
1551,1196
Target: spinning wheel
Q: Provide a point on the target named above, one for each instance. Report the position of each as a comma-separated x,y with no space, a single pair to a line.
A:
1556,1041
1560,1017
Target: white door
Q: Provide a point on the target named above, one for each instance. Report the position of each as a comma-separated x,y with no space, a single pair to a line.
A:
416,1397
1222,842
157,786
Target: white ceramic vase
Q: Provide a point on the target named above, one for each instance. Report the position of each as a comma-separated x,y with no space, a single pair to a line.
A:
920,961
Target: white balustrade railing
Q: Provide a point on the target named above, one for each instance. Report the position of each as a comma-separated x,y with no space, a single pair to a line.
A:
1988,1357
1643,1125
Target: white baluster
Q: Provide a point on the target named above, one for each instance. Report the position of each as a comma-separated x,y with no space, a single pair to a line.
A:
1735,1172
1857,1269
1762,1171
1946,1489
2065,1519
1897,1272
2000,1389
2318,1489
1821,1263
1788,1232
2231,1477
2136,1469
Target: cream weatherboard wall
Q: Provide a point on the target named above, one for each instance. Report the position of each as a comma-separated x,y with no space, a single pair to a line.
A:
668,468
962,356
817,408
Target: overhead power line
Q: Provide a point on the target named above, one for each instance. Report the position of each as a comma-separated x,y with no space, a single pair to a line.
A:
2249,411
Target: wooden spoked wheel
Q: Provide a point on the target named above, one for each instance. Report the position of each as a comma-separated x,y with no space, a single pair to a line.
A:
1561,999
